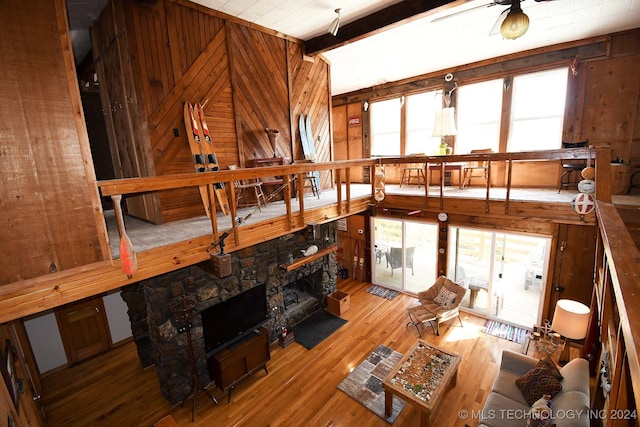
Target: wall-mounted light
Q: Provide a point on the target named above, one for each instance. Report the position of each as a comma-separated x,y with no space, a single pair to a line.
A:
335,25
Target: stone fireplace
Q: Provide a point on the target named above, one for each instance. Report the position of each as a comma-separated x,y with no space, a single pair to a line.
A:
161,308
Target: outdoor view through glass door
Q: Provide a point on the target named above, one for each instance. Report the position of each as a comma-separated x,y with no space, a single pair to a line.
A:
504,272
404,255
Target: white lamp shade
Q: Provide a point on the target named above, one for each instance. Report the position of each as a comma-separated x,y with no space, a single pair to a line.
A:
445,123
571,319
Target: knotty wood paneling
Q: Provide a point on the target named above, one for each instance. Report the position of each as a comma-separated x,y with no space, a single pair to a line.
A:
147,24
355,139
610,103
48,197
310,96
341,150
348,139
206,80
261,93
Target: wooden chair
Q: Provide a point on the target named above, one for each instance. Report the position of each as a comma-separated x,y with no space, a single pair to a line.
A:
310,180
478,165
394,258
570,169
244,186
272,182
413,170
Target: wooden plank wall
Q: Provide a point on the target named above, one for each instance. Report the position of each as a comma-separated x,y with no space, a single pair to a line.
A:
348,139
127,138
50,206
29,411
260,92
202,67
310,96
612,121
251,79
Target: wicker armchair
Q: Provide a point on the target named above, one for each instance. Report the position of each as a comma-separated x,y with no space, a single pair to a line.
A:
442,313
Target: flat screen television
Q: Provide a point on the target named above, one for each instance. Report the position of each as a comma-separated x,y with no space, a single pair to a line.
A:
231,320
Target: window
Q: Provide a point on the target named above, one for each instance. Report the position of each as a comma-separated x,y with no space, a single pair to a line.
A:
385,127
479,108
420,113
535,120
537,115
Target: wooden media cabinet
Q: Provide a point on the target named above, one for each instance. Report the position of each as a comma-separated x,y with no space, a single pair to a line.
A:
231,365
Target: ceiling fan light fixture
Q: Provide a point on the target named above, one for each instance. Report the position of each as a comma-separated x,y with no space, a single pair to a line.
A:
515,24
335,25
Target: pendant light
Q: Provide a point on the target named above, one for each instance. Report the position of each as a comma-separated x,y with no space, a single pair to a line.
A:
335,25
516,23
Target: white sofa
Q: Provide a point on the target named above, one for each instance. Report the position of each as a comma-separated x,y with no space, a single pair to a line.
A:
506,406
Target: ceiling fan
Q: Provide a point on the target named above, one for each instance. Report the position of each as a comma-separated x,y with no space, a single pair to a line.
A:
517,22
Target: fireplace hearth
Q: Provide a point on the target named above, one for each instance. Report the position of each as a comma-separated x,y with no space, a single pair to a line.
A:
302,298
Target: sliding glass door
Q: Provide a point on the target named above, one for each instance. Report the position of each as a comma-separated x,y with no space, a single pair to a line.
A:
504,272
405,254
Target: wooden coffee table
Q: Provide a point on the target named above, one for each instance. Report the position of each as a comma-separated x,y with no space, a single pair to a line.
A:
421,377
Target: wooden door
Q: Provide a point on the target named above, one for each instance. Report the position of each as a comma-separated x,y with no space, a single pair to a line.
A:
84,329
574,261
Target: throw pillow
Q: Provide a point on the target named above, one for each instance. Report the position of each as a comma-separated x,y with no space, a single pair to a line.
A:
538,382
551,366
445,296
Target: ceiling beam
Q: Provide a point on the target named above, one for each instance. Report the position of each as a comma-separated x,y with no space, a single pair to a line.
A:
382,20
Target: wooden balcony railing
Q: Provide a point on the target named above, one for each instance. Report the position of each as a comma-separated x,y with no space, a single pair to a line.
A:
617,290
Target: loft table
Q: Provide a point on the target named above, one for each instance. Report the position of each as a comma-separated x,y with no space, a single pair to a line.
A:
421,378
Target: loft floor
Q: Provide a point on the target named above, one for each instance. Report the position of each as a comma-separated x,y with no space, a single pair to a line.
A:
146,236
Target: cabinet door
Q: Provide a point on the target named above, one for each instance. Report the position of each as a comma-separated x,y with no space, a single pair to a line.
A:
259,353
231,369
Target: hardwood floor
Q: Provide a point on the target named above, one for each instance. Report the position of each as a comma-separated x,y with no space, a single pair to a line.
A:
301,387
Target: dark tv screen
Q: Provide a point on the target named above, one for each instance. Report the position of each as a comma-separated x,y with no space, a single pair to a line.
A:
233,319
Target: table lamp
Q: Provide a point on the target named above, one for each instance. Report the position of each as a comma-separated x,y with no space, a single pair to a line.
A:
570,319
444,126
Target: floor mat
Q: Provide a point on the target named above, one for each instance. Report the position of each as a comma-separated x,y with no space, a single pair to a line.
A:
315,328
507,332
383,292
364,383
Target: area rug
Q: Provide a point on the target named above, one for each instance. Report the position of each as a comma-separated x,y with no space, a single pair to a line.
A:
383,292
315,328
364,383
507,332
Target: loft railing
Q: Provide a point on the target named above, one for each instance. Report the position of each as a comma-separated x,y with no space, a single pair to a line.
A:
617,292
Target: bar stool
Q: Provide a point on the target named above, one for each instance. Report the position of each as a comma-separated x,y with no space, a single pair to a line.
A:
636,174
569,169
